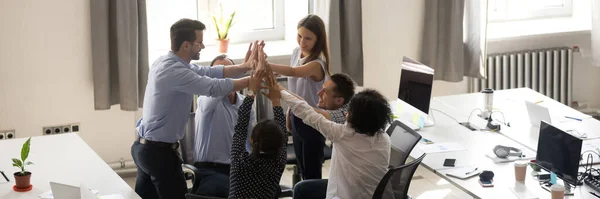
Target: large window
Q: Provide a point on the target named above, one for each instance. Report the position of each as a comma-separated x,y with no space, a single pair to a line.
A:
515,10
254,19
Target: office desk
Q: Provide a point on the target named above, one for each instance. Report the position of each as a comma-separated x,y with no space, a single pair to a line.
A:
479,143
511,104
63,158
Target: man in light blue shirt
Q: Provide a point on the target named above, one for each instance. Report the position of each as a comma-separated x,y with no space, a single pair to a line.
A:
172,82
216,118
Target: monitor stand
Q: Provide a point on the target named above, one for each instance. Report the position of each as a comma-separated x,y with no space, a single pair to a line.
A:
568,190
430,120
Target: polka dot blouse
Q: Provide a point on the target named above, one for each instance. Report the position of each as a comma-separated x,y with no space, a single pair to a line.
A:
254,177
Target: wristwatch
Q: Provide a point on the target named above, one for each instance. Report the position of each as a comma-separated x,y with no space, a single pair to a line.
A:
250,93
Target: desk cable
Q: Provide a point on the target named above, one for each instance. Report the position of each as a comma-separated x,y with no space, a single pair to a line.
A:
588,166
503,118
471,114
442,112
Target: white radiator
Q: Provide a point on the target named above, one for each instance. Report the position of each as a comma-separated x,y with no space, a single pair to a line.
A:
547,71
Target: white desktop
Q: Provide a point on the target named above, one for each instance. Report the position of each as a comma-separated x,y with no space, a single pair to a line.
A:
414,95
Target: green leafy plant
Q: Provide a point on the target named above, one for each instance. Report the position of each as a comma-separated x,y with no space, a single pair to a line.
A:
222,24
24,154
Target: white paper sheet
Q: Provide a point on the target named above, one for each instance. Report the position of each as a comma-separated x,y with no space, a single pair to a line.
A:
441,147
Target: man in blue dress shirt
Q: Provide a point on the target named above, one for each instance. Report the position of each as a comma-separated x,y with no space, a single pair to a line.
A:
172,81
216,118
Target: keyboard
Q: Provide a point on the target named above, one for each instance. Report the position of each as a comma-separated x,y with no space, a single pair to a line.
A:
593,182
522,192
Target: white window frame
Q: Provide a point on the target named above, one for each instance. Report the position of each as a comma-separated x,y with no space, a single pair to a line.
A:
276,33
500,12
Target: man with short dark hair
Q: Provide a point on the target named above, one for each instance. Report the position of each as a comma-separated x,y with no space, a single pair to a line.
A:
172,81
334,97
216,118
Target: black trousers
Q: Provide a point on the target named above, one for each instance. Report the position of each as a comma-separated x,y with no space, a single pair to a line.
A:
214,180
160,175
308,145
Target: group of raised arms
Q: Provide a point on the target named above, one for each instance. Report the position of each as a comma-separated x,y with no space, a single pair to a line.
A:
238,157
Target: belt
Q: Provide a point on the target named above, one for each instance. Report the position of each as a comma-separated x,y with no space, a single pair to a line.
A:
159,144
211,165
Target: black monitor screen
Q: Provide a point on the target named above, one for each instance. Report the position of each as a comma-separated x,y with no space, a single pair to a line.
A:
415,89
559,152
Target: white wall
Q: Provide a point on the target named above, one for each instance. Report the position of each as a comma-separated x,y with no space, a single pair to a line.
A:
46,75
391,29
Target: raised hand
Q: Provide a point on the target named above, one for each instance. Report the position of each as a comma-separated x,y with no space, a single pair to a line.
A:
274,90
251,55
248,53
255,81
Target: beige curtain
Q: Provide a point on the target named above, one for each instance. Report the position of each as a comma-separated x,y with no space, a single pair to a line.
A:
454,36
596,33
119,53
344,22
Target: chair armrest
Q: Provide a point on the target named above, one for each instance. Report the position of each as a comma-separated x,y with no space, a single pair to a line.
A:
190,167
195,173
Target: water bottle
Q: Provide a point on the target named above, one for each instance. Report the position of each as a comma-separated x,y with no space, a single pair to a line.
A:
488,99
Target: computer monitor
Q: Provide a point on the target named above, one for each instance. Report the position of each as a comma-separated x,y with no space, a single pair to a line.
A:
558,152
416,80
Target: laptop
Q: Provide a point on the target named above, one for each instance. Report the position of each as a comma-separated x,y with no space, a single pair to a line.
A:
537,114
60,191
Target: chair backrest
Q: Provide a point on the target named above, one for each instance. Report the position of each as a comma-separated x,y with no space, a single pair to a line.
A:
404,140
186,144
395,183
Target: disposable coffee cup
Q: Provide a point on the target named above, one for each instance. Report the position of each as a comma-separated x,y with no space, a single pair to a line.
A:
520,170
558,191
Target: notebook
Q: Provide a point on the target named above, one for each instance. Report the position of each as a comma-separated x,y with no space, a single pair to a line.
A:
464,172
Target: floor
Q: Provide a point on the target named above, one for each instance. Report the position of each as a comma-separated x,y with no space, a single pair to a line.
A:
425,184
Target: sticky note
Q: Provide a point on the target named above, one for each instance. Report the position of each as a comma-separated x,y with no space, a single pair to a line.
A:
421,122
552,178
399,107
415,119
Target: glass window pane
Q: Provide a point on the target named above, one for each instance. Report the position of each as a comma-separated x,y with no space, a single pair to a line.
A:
161,15
250,15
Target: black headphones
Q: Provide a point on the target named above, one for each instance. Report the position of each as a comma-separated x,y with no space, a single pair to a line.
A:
505,151
486,175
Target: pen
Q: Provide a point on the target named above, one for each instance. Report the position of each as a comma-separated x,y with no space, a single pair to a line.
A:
597,196
573,118
7,180
467,173
539,101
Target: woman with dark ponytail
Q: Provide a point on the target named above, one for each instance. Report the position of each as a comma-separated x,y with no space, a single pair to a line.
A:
257,175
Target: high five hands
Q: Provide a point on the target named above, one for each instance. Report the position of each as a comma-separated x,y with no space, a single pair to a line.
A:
256,57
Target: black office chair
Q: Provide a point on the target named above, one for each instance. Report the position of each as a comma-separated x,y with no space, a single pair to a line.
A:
408,139
395,183
186,147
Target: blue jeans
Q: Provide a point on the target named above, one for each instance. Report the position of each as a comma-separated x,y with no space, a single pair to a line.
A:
213,182
310,189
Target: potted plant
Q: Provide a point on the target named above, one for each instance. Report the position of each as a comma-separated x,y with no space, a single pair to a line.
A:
23,177
222,26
